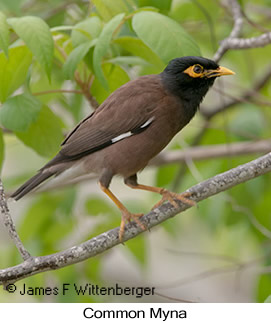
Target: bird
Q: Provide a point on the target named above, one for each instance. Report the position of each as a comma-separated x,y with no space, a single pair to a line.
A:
129,128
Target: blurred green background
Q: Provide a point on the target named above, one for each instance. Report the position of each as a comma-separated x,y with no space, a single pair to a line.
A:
216,252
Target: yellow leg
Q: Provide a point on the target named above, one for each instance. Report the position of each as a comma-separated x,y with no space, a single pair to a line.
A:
166,195
126,216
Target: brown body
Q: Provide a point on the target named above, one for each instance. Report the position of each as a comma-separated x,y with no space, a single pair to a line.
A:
130,158
123,157
132,126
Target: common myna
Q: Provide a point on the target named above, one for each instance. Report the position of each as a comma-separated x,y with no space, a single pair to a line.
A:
130,127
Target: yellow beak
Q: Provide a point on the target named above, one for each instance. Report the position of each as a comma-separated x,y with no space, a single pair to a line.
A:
219,72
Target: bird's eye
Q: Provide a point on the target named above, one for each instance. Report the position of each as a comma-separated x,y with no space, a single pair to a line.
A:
197,69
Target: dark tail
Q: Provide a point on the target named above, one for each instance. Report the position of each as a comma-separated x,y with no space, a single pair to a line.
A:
31,184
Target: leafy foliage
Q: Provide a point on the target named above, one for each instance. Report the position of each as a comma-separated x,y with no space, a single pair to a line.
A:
13,70
57,56
75,57
44,135
86,30
37,37
19,112
102,46
167,31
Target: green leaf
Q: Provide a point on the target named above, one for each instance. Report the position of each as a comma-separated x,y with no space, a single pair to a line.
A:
164,36
103,45
47,227
268,300
136,47
4,34
75,57
2,149
37,37
13,70
165,175
108,8
34,225
97,206
44,135
137,247
115,76
86,30
19,111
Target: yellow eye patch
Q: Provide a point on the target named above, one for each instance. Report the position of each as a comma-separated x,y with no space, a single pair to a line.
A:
195,71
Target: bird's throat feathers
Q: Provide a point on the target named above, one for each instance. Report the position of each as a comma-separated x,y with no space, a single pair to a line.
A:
190,94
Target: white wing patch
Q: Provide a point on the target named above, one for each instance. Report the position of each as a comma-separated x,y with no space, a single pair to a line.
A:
130,133
148,122
122,136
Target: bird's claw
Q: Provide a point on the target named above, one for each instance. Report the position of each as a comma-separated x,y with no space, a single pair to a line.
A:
126,216
171,197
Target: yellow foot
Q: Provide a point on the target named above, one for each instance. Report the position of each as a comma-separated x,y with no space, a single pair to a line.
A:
126,216
170,197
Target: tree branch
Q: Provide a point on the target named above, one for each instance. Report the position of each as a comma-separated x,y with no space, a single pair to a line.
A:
192,153
233,41
85,86
248,94
245,96
243,43
211,151
109,239
236,30
7,220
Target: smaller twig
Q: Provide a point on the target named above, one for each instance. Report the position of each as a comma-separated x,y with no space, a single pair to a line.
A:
209,273
198,277
211,151
10,225
233,41
256,98
107,240
243,43
84,86
193,153
123,21
86,91
235,265
236,30
254,24
238,18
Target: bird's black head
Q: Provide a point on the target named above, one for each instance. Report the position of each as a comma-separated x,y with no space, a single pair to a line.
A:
190,77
